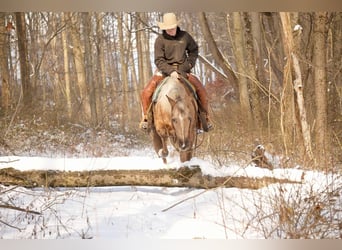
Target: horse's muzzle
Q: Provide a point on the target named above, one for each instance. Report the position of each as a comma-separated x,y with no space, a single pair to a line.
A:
184,145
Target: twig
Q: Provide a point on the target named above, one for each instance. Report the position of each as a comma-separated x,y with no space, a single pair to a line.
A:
9,161
15,113
5,223
8,190
19,209
191,197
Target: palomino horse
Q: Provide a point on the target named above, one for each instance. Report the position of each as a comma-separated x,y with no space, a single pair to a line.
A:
175,119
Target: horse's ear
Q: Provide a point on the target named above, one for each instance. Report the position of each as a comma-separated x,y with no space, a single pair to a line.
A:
171,101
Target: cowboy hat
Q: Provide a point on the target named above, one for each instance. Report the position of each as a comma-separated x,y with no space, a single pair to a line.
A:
169,21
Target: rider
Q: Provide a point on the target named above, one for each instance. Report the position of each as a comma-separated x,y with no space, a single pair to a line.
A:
175,54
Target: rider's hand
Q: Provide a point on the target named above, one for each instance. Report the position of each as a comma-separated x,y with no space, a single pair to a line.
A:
174,74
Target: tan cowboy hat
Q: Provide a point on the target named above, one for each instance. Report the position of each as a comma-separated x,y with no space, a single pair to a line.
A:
169,21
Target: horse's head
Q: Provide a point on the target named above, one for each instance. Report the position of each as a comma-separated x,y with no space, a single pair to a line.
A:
183,122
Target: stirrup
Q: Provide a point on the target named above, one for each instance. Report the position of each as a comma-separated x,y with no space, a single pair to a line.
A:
143,125
210,126
199,131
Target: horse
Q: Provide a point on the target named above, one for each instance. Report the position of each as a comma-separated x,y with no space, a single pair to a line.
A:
175,118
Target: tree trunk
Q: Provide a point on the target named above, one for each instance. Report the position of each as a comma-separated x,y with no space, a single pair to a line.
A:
135,85
336,100
116,85
288,119
80,71
256,68
258,46
182,177
143,50
123,65
272,34
305,128
298,84
146,37
335,77
101,72
240,55
140,53
319,62
66,70
23,57
90,66
5,34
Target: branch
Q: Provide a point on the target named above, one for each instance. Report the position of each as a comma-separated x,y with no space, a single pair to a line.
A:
5,223
19,209
212,67
217,55
9,161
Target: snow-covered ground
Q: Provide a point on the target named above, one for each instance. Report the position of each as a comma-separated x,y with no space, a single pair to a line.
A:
276,211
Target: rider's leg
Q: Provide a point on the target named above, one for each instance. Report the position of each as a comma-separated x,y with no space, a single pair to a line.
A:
146,98
203,97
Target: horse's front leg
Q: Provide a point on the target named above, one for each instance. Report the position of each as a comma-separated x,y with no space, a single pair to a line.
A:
160,145
164,152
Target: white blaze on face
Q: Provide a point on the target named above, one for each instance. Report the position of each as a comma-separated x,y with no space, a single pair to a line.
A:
183,130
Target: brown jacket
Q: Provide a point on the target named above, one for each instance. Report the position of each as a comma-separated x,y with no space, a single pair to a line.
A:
180,49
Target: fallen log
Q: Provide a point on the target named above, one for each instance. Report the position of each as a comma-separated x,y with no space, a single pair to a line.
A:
182,177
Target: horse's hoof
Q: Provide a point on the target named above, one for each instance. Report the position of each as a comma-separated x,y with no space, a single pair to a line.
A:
162,154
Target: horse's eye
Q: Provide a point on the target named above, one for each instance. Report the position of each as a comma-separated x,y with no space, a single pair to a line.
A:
174,120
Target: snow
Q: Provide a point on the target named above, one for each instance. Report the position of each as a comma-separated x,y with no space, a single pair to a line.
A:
156,212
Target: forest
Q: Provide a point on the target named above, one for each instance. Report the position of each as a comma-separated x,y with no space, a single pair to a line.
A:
273,78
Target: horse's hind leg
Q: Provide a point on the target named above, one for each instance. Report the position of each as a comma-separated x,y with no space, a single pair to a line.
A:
159,145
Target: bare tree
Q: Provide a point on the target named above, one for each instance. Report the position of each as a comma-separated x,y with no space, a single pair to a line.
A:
5,33
255,66
123,66
143,49
335,102
66,69
90,66
24,61
240,55
320,80
101,47
296,84
78,57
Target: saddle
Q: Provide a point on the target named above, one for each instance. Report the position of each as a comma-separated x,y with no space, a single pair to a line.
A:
183,80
